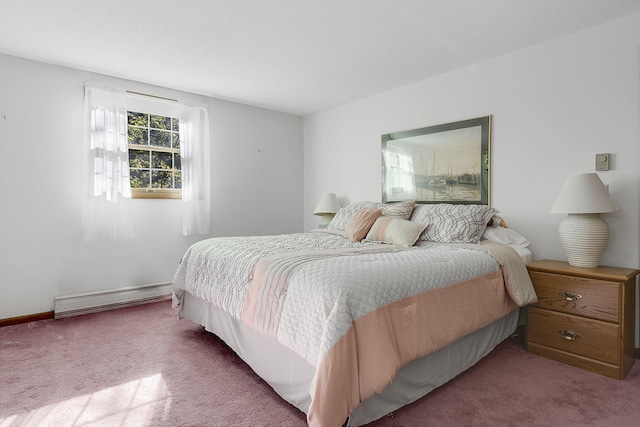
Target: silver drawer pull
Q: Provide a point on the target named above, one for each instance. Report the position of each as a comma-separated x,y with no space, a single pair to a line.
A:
568,335
568,296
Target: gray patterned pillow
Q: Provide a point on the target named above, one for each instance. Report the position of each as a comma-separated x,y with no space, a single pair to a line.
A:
454,223
344,215
400,210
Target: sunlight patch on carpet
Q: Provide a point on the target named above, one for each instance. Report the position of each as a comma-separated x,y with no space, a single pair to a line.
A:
132,403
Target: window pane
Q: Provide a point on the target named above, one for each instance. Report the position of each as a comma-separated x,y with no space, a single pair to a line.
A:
160,160
175,140
150,168
161,179
160,138
138,136
161,122
137,119
139,158
139,178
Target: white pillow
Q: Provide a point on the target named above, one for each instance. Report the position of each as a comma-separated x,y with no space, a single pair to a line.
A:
506,236
396,231
454,223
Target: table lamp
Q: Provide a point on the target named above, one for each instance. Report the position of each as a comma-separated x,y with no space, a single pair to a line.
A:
583,233
326,209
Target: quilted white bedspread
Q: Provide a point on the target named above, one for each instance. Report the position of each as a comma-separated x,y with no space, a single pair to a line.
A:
307,290
219,270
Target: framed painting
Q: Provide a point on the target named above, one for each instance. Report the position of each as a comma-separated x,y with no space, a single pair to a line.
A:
446,163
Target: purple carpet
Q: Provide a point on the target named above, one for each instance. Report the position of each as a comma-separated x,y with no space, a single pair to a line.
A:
141,366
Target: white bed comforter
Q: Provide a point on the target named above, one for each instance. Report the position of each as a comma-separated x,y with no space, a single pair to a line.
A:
306,290
219,270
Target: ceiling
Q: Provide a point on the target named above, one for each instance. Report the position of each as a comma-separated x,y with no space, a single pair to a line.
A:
295,56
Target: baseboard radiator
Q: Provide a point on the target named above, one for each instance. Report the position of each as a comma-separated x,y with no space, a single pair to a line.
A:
93,302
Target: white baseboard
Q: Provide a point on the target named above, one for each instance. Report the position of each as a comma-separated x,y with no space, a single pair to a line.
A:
92,302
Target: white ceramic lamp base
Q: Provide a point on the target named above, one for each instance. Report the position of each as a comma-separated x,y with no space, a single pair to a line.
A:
584,238
325,219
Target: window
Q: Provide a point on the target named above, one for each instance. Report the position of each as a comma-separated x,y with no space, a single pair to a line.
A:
154,156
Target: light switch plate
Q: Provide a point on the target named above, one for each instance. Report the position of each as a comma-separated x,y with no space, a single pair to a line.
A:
602,161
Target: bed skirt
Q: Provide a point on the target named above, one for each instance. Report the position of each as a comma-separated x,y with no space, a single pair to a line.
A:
290,375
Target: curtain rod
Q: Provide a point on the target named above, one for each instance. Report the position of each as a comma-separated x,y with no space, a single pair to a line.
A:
152,96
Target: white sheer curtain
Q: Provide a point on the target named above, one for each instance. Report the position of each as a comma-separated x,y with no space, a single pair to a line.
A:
194,151
107,189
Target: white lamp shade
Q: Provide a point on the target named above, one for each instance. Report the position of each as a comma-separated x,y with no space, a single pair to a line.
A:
584,193
328,204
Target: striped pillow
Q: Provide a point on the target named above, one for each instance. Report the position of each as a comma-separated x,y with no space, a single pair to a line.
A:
360,223
398,232
344,215
401,210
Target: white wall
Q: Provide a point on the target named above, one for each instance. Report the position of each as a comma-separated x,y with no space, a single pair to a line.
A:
554,107
256,161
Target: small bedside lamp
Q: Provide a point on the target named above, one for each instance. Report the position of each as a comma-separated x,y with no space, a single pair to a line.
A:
326,209
584,234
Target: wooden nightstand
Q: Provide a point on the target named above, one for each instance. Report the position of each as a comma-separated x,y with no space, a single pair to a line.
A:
584,316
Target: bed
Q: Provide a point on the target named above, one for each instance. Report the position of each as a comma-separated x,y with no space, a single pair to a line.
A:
351,322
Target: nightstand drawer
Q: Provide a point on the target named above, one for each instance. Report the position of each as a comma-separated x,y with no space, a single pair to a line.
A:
586,337
588,297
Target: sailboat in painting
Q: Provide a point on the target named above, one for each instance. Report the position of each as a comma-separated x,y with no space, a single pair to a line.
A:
436,181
